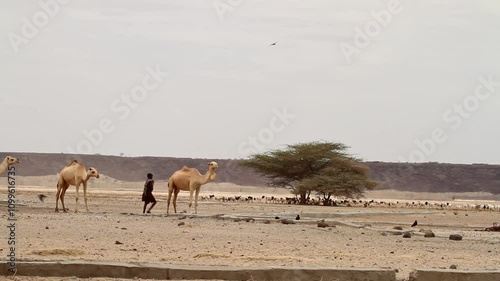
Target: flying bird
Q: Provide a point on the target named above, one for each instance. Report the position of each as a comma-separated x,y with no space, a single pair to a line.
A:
41,197
273,44
414,224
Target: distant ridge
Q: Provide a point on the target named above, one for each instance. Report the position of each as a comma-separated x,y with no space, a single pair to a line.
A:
415,177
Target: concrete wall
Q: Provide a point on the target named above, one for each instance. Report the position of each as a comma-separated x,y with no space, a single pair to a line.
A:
83,269
160,271
455,275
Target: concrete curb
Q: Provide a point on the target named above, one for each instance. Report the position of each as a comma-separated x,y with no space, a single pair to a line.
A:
86,269
454,275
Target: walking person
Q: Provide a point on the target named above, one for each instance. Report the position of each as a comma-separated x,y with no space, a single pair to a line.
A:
147,194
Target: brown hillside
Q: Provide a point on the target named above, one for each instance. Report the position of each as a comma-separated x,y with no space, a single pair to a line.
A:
422,177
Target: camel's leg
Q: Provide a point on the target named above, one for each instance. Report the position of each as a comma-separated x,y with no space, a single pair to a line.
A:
63,192
85,196
59,187
196,200
170,190
76,196
176,192
191,190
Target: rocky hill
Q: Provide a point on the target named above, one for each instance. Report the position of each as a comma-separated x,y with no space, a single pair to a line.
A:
421,177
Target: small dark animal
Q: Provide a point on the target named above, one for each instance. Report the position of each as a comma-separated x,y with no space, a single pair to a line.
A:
297,218
41,197
414,224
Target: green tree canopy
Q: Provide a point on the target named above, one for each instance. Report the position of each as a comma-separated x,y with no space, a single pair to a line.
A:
343,177
325,167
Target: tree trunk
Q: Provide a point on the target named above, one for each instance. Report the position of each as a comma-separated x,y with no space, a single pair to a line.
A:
303,198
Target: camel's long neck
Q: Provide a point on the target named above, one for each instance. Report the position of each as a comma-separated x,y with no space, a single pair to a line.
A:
3,166
87,177
206,176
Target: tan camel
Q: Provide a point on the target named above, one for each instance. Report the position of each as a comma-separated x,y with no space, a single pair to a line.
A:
74,174
8,161
189,179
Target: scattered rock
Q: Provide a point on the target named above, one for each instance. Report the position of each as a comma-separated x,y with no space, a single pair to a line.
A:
118,242
453,266
250,220
124,228
46,227
237,220
383,233
456,237
429,233
407,235
455,213
285,221
267,222
276,218
181,223
322,224
396,270
398,228
182,218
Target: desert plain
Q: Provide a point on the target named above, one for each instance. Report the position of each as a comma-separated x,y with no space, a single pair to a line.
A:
247,233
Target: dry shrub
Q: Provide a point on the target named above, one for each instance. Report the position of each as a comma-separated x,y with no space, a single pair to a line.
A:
58,252
210,255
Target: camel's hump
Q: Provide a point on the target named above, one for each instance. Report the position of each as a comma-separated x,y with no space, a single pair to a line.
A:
186,169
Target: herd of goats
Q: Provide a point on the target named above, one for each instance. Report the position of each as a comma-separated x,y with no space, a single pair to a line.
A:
353,202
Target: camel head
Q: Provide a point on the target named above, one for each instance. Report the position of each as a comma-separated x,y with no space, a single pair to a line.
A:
211,168
11,160
213,165
92,173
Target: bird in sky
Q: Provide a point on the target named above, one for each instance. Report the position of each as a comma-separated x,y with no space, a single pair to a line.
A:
273,44
414,224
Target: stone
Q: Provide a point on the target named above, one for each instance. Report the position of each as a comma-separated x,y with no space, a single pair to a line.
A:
407,235
456,237
429,233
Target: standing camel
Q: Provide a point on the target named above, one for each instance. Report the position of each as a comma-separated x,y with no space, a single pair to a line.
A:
189,179
74,174
8,161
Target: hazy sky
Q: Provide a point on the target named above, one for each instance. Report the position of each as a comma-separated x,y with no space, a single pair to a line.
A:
400,80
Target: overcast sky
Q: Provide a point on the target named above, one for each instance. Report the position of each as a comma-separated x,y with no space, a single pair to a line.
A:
396,81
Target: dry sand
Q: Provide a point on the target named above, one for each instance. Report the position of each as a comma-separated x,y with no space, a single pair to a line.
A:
355,240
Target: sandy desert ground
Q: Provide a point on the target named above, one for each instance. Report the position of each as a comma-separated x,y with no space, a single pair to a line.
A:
358,236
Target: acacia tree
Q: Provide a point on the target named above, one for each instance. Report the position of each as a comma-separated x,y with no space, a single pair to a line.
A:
342,177
288,167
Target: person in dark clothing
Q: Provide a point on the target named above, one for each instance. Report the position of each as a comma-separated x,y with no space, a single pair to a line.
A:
147,194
